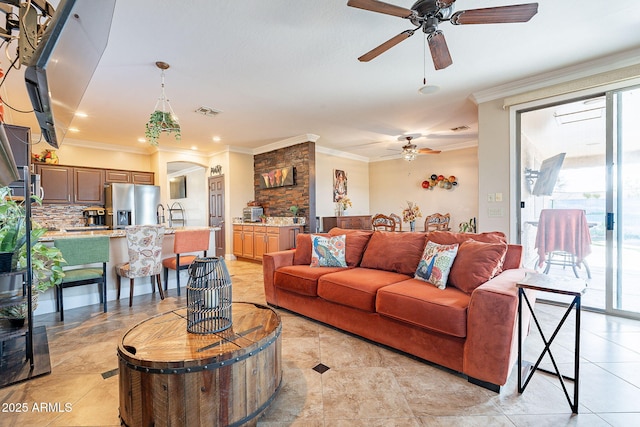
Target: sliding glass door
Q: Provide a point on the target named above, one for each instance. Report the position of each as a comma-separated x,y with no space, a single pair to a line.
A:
624,201
580,195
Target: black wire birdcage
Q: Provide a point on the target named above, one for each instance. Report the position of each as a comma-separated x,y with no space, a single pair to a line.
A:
208,296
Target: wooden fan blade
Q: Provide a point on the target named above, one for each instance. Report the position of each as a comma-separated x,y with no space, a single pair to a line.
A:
496,15
385,46
428,151
439,51
381,7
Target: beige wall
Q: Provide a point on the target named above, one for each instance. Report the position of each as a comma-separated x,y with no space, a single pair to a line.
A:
394,182
357,184
75,155
495,158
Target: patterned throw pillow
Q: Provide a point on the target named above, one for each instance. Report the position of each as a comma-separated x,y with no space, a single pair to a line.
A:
436,262
328,251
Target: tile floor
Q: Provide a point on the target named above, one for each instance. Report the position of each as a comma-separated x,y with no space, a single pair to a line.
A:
366,385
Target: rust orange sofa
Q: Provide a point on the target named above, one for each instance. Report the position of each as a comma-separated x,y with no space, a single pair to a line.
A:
469,327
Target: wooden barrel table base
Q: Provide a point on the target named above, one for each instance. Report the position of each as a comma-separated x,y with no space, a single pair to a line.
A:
170,377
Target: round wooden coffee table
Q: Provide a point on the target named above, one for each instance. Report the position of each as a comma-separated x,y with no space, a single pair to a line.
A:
169,376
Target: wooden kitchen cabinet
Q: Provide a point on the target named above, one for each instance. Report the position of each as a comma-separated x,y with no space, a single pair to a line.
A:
142,178
56,182
81,185
117,176
128,177
88,184
253,241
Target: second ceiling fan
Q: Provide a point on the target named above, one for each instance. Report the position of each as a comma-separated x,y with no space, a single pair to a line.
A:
427,14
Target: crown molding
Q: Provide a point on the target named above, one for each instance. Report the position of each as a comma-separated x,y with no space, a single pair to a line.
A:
141,149
562,75
343,154
307,137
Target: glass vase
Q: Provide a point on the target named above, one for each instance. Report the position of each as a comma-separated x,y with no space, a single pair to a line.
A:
412,225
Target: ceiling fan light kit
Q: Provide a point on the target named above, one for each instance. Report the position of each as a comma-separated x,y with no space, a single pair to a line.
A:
426,15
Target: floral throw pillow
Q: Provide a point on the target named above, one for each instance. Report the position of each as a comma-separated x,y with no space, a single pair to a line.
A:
436,262
328,251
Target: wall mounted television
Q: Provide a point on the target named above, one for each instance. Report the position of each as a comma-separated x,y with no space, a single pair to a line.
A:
548,175
64,62
178,187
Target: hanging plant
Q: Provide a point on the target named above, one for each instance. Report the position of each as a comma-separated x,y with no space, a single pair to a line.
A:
161,121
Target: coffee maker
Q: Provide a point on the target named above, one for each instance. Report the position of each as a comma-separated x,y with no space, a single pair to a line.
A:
94,215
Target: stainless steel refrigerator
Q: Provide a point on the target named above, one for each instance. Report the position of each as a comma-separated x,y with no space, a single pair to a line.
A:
131,204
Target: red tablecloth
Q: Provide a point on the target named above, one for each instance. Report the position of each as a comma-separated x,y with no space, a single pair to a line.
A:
563,230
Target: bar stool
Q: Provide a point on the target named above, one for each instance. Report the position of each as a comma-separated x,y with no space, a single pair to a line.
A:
185,241
83,251
144,244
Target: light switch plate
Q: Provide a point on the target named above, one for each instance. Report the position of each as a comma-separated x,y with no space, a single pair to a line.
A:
491,197
498,197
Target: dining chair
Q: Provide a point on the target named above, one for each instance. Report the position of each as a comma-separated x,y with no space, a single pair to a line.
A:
437,221
398,221
185,241
83,254
144,244
383,222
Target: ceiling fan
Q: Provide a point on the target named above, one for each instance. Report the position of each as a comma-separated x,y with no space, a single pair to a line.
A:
427,14
411,150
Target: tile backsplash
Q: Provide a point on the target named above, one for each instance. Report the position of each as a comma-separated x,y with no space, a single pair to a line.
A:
58,216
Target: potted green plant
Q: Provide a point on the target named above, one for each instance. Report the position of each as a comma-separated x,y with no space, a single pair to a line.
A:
45,260
294,209
161,121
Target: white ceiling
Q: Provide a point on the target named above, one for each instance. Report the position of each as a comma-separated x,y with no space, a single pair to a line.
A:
279,69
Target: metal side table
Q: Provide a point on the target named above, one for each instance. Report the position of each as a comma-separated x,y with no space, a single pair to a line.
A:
557,285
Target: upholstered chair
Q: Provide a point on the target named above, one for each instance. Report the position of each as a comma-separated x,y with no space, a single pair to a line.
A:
398,221
437,221
144,244
85,264
383,222
185,241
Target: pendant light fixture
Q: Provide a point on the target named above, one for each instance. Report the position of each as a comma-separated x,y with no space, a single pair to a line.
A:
163,119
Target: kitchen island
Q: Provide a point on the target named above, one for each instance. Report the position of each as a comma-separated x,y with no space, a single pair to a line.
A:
86,295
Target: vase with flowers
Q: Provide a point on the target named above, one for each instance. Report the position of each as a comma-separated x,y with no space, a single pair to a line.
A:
342,204
410,214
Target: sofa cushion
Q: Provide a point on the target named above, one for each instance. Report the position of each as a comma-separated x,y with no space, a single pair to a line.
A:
302,255
301,279
356,287
413,301
357,241
449,237
328,251
476,263
435,264
394,251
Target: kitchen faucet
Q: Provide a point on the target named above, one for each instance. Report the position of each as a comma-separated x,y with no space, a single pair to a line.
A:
160,217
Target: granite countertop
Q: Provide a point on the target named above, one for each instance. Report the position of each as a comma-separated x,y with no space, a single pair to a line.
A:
260,224
49,236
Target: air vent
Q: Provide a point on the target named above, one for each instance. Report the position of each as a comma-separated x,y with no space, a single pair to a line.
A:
207,111
460,128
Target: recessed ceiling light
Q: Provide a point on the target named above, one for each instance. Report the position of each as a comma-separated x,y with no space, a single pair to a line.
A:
428,89
80,114
75,130
142,140
217,139
193,147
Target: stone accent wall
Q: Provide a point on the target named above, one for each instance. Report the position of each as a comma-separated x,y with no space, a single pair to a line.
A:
277,201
